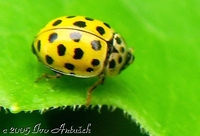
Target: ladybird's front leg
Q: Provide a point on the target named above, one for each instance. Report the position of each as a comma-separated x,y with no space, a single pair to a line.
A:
57,75
89,91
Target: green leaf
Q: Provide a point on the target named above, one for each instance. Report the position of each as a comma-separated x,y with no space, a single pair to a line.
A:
160,90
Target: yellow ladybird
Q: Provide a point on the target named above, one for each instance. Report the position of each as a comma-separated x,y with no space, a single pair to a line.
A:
82,47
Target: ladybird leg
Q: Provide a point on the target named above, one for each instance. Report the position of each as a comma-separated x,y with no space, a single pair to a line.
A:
48,76
89,91
103,80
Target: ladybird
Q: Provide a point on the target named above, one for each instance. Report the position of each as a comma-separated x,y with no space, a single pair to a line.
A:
82,47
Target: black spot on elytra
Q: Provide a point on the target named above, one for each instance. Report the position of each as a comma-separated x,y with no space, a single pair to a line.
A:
53,37
90,19
122,49
112,64
61,49
57,22
119,41
89,69
49,59
96,45
95,62
80,24
75,36
115,50
78,53
38,45
72,73
69,66
100,30
70,16
119,59
106,25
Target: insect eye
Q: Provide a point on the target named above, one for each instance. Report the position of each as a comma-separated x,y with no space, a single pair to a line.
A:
129,59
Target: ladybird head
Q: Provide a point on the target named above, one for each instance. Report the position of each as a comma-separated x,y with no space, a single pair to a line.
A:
119,58
129,58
